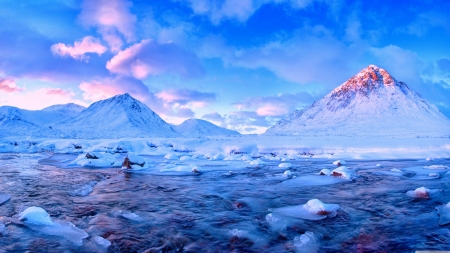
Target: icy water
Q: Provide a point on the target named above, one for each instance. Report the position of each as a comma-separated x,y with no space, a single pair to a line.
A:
217,211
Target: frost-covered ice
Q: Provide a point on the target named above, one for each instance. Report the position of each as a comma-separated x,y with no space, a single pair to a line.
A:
285,165
171,156
288,174
84,190
436,167
102,242
96,159
127,215
444,214
257,162
314,209
4,197
395,170
37,219
306,243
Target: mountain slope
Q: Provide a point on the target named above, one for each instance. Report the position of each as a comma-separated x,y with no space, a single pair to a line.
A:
117,117
370,103
25,123
200,128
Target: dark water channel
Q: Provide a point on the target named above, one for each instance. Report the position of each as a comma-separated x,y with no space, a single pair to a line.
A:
219,212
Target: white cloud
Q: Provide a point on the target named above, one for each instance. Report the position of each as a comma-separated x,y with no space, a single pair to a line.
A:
78,51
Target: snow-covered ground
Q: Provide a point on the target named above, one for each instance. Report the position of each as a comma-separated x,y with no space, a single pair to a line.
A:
306,146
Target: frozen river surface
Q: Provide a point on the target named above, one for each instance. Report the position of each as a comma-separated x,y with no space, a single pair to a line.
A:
252,209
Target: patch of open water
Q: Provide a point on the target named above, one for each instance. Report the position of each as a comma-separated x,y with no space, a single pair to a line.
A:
216,211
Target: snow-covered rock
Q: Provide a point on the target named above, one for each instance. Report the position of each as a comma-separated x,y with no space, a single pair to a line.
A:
194,128
325,172
421,192
342,172
314,209
171,156
339,162
288,174
306,243
96,159
372,99
257,162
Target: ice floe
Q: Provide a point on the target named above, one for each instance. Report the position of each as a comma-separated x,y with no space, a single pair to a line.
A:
39,220
127,215
436,167
96,159
4,197
314,209
102,242
325,172
421,193
171,156
257,162
83,190
306,243
444,214
288,174
285,165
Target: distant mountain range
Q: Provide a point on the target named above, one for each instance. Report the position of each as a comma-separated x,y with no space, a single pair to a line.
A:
120,116
371,103
199,128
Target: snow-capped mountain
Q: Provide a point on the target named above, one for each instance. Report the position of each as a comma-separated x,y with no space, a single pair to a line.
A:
117,117
69,109
200,128
20,122
370,103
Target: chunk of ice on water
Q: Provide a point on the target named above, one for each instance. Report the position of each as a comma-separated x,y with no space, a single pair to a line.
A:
237,232
171,156
288,174
314,209
102,242
186,158
306,243
38,220
429,159
4,197
257,162
395,170
35,215
285,165
436,167
444,214
83,190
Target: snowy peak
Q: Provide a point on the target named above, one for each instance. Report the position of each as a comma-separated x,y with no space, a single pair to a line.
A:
70,107
372,99
120,116
201,128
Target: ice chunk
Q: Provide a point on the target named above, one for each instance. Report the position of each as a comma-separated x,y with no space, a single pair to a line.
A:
102,242
246,158
83,190
38,220
434,175
306,243
135,159
325,172
95,159
237,232
218,156
378,165
444,214
257,162
285,159
171,156
3,230
395,170
436,167
312,210
4,197
429,159
342,172
421,192
288,174
185,158
126,214
35,215
285,165
339,162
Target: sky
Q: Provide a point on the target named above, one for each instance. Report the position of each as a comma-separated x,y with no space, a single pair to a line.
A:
241,64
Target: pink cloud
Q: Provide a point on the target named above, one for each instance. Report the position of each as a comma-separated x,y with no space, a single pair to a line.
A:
151,58
9,85
88,44
185,96
112,18
58,92
272,110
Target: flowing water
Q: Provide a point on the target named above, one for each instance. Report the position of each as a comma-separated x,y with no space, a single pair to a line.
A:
218,211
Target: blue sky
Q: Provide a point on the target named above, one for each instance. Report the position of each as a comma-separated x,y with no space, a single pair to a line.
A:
242,64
